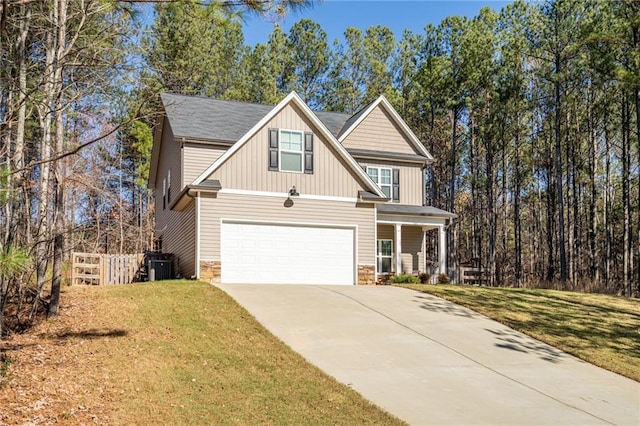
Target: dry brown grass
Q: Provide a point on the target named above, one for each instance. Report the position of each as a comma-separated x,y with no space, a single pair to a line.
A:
601,329
166,353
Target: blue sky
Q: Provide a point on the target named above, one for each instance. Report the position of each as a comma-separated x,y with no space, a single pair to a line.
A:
334,16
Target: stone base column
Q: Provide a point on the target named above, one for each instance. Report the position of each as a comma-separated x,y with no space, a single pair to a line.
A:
210,271
366,275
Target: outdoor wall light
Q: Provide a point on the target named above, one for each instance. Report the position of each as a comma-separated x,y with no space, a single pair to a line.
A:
292,193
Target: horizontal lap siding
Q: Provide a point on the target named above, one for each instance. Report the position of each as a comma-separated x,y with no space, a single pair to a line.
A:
170,158
411,249
247,169
197,157
411,257
179,239
378,132
271,209
411,180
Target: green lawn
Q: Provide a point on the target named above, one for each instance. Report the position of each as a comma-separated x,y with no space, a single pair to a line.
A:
601,329
188,354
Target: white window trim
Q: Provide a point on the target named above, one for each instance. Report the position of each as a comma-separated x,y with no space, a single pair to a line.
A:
281,150
379,256
378,179
169,186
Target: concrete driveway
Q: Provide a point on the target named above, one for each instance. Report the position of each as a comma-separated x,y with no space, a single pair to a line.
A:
429,361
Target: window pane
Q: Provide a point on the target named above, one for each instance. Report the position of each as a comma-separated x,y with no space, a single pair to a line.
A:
385,176
291,162
373,173
386,248
385,264
387,190
291,141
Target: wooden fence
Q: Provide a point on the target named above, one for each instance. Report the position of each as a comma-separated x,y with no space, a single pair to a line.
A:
100,269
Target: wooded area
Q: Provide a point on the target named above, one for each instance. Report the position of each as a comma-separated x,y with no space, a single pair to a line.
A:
532,113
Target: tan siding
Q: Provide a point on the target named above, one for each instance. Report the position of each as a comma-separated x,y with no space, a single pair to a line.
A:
411,180
271,209
179,238
197,157
412,258
385,232
411,249
247,169
378,132
170,158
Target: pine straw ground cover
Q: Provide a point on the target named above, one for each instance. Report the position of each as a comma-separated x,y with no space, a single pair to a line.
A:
598,328
175,352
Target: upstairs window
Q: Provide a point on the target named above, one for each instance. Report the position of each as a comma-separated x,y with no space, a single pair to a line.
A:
387,179
290,151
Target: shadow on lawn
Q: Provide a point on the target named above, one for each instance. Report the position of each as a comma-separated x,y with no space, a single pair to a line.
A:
89,334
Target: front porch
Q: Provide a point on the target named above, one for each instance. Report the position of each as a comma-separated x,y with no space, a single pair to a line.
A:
411,240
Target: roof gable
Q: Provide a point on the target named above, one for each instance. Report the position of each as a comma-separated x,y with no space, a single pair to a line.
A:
325,133
354,122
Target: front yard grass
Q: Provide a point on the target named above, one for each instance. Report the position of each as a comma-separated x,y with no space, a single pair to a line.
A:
171,352
601,329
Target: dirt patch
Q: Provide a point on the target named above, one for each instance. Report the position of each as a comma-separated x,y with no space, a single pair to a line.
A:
53,373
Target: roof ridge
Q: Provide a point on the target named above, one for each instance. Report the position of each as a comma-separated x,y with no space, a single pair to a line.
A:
208,98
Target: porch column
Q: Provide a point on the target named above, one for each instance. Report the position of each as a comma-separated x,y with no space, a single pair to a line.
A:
398,247
442,250
423,249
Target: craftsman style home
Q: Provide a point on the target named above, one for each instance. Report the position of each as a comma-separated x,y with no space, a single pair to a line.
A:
249,193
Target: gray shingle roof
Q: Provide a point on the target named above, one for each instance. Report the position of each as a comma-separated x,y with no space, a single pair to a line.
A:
414,210
220,120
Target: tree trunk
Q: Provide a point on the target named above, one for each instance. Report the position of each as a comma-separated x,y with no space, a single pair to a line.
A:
626,133
593,175
558,168
58,166
517,223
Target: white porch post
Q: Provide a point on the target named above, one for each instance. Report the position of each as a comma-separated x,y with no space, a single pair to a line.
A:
423,249
398,247
442,250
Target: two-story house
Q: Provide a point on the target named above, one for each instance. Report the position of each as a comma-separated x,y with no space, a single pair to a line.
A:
249,193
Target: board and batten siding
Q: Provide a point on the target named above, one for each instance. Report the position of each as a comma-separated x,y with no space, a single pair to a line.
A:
269,209
411,179
197,157
248,168
378,132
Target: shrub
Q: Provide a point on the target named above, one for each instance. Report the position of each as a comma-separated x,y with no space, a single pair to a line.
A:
424,278
404,279
443,279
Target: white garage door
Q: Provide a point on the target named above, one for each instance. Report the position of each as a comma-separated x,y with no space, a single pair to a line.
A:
286,254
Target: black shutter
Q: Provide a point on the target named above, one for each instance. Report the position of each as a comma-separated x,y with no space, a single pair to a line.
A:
273,149
395,189
308,153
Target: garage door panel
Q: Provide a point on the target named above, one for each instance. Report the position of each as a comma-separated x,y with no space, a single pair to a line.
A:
264,253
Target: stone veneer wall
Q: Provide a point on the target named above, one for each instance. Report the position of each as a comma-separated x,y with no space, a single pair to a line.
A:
210,271
366,275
